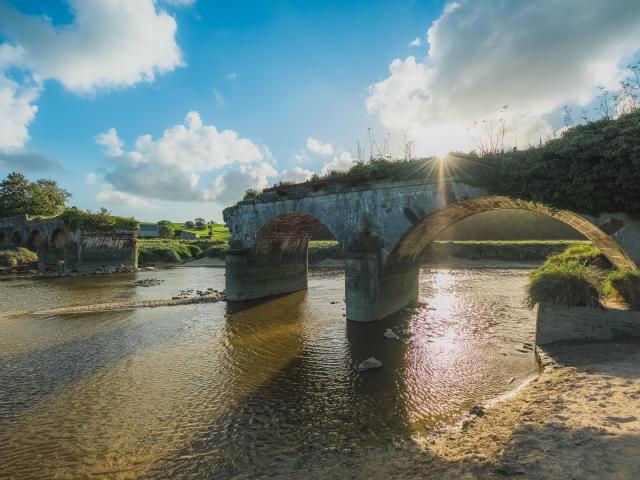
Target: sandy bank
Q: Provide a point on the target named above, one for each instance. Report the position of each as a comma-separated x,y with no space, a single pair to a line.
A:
129,304
580,419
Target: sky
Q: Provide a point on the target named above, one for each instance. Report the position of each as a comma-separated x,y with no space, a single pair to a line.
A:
171,109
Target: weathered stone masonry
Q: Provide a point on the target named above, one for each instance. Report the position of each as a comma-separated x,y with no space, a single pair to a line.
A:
62,249
383,229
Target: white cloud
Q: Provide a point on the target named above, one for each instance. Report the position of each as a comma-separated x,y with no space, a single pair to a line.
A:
416,42
111,43
17,109
295,174
90,178
534,56
219,98
232,76
341,163
171,166
231,185
301,156
179,3
110,196
319,148
111,141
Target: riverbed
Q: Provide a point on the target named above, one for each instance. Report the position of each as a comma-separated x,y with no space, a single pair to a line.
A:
221,390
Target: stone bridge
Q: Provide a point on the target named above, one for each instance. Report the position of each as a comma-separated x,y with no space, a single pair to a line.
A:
61,249
383,229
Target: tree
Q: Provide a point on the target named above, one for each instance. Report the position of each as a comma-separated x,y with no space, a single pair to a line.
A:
166,230
200,223
189,225
18,196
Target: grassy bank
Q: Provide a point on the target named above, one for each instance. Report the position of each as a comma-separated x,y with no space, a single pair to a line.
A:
507,250
164,250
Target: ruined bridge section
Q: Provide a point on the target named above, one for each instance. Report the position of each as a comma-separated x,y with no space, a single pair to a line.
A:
383,229
67,251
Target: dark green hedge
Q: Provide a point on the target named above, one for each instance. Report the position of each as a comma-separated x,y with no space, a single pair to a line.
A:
75,219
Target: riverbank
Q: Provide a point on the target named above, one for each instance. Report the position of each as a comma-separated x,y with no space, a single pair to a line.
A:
580,418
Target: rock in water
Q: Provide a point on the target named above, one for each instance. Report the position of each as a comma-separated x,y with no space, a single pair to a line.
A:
369,364
388,333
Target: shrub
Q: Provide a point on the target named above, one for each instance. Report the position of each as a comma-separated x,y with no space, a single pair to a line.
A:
251,194
195,250
101,221
216,251
624,284
166,230
569,283
12,257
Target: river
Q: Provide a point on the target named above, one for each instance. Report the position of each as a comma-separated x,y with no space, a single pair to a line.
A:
215,390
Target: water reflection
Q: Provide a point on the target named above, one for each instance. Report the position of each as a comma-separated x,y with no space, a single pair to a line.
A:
211,390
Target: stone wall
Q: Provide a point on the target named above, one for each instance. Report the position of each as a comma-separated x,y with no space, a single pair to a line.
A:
566,324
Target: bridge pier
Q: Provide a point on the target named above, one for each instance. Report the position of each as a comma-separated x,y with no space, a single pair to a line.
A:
373,292
250,275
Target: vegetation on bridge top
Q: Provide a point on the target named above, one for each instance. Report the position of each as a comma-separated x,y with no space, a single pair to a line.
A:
588,168
100,221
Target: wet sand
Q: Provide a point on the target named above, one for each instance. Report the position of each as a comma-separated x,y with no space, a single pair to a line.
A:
579,419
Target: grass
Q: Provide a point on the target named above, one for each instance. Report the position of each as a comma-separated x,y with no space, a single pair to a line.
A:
625,286
569,283
584,253
174,250
16,256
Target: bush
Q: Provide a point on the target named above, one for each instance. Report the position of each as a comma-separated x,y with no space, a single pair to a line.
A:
195,251
625,285
13,257
569,283
216,251
166,230
101,221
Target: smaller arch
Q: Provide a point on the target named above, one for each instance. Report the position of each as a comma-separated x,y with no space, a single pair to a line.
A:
16,238
1,237
425,230
288,232
35,239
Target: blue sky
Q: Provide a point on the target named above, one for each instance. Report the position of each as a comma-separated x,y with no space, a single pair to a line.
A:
295,84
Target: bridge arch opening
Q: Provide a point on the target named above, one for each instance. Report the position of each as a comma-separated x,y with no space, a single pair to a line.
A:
413,243
35,240
55,250
1,237
277,262
16,238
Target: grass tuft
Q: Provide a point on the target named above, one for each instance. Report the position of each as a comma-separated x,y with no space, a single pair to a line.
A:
624,285
569,283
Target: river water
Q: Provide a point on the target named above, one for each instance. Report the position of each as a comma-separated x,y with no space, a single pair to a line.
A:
217,391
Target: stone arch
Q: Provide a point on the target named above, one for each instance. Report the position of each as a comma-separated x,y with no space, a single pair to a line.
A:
16,238
288,233
412,244
1,237
276,261
35,240
55,251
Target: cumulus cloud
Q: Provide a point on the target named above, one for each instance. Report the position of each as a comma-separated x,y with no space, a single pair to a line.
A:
170,167
111,141
231,185
17,97
319,148
111,43
416,42
340,163
110,196
295,174
534,56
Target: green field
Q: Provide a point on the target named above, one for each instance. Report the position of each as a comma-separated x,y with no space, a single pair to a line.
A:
220,232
